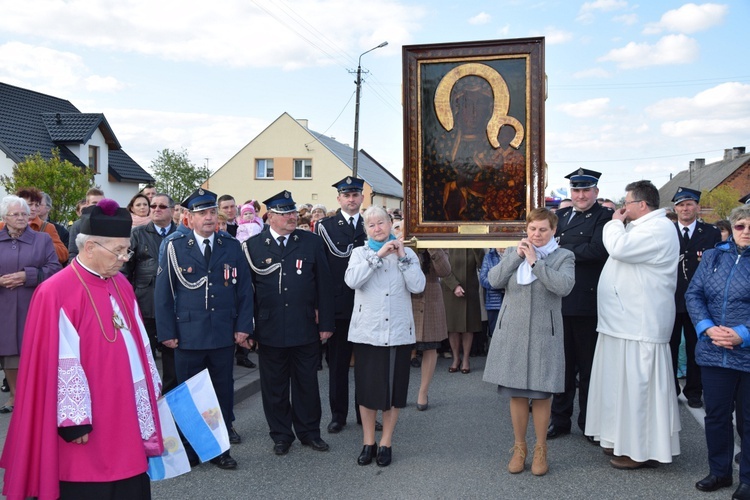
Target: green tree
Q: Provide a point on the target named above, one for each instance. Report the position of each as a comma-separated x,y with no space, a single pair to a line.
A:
721,199
176,175
64,182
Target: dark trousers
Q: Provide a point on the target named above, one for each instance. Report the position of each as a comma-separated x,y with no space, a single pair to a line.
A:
339,355
720,385
580,344
168,374
693,387
189,362
295,368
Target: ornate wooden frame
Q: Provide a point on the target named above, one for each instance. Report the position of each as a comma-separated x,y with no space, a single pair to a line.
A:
461,186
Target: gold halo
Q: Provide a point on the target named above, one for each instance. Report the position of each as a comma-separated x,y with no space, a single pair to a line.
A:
500,107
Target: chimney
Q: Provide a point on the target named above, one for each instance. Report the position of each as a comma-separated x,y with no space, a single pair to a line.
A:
700,163
738,150
302,122
690,170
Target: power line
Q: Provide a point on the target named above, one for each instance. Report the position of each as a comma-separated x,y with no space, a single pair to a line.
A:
648,85
638,159
334,121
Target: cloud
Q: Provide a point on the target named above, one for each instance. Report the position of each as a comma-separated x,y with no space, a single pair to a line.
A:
670,49
626,19
728,101
585,109
592,73
504,31
690,18
144,132
481,18
56,71
588,9
698,128
554,36
292,34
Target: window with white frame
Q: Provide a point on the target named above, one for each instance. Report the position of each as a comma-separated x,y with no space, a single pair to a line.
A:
264,168
94,158
303,169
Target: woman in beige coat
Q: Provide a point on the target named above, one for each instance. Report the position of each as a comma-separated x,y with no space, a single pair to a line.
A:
429,316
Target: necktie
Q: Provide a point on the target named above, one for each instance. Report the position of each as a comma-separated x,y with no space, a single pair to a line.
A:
163,232
207,251
685,237
281,241
351,223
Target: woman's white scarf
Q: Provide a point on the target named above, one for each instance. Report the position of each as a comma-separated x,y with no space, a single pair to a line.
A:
524,275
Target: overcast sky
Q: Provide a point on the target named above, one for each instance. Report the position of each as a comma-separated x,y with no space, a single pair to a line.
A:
636,90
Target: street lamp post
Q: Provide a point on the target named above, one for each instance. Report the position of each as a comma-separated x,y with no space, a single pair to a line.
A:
355,156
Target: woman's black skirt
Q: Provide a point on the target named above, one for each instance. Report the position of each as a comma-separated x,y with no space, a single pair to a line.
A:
381,375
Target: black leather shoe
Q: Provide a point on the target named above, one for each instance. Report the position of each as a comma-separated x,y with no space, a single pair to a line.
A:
590,439
713,483
695,403
316,444
224,461
335,427
368,452
234,438
742,492
555,431
384,456
246,363
281,447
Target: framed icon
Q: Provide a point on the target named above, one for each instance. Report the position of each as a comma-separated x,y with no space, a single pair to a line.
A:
473,139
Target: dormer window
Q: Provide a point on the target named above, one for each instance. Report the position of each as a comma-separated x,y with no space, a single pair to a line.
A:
94,158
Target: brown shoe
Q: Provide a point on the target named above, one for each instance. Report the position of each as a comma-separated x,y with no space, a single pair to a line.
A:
610,452
518,460
627,463
539,466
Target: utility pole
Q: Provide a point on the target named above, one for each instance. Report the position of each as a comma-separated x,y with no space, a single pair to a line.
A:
355,157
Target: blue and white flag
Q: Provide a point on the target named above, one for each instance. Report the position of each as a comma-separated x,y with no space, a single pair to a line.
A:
196,410
174,461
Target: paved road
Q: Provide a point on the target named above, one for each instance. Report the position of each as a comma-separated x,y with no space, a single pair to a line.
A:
456,449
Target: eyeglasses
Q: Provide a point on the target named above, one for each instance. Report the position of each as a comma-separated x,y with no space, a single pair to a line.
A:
634,201
120,256
163,207
17,215
739,227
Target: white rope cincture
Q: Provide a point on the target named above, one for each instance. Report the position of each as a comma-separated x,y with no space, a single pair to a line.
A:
263,272
172,263
332,246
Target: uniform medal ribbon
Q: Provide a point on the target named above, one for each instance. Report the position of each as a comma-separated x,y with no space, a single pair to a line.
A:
299,266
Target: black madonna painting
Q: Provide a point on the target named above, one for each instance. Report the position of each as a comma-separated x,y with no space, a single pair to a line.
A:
474,146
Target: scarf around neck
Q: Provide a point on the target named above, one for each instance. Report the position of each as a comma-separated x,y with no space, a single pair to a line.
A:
524,275
377,245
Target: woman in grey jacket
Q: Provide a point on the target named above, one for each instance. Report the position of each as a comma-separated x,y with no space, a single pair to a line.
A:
526,355
383,274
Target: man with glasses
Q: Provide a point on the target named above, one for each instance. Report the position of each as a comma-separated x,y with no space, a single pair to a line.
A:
695,238
580,230
294,311
86,419
204,304
632,406
141,272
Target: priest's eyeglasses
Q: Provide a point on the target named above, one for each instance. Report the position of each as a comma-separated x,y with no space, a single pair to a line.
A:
120,256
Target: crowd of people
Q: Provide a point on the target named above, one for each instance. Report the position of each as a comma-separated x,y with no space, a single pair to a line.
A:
596,299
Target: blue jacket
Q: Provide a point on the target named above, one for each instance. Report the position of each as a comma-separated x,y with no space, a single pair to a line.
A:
719,294
493,297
